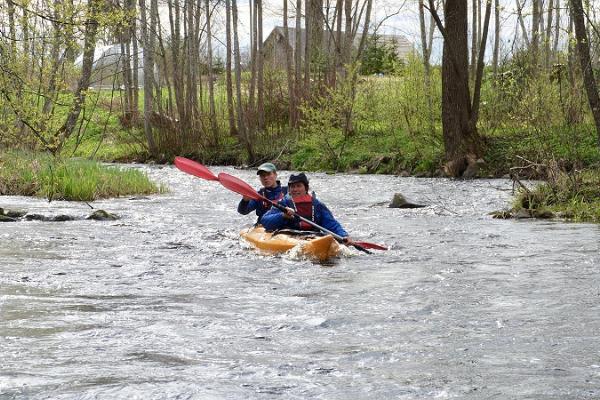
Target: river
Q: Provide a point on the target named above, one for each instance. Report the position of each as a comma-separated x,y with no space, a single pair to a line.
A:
167,303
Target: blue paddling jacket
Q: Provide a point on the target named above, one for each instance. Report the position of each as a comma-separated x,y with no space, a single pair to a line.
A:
274,219
261,207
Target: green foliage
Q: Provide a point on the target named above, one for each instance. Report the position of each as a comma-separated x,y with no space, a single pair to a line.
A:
575,195
390,130
378,57
34,174
328,121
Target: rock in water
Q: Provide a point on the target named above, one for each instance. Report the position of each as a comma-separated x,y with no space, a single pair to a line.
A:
101,215
15,213
36,217
399,201
63,218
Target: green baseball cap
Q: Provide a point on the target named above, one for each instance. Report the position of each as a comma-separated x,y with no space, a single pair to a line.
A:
266,167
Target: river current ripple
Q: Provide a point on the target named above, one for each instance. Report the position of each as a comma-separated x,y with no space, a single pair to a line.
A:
167,303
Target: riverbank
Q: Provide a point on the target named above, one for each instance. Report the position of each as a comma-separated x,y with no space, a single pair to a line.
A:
41,175
574,196
571,153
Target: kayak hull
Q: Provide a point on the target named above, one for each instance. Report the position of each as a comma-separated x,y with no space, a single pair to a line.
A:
319,247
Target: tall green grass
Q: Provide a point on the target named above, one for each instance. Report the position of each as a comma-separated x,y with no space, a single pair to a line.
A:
574,195
31,174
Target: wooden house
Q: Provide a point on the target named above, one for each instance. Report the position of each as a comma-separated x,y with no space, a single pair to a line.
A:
274,46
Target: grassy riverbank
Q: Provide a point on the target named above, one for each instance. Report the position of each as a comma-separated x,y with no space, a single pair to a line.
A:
395,129
574,196
35,174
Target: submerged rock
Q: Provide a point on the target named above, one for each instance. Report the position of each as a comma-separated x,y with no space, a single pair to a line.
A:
15,213
399,201
523,214
543,214
63,218
502,214
101,215
36,217
6,218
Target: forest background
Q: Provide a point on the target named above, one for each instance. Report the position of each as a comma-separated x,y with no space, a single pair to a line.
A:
492,88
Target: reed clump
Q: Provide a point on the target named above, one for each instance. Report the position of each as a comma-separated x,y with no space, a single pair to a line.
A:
29,174
573,195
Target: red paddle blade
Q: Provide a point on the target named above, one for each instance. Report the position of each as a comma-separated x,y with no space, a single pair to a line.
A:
239,186
368,245
194,168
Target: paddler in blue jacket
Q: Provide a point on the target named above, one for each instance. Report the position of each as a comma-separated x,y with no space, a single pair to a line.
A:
271,189
299,201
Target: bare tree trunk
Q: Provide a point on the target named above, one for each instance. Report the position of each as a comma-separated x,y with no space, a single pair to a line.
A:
522,22
288,67
238,85
298,54
426,66
496,38
127,35
583,51
175,24
548,35
462,143
308,50
25,26
12,32
556,30
126,73
431,32
480,63
338,59
348,39
190,63
148,35
250,115
260,66
135,75
474,37
170,106
54,60
349,112
535,32
89,47
211,91
316,35
228,79
68,34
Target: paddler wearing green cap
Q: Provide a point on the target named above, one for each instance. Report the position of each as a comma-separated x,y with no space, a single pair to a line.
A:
271,189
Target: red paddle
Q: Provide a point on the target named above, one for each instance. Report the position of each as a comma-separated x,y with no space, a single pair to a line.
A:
194,168
239,186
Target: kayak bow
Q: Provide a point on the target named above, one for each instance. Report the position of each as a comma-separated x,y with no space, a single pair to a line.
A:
317,247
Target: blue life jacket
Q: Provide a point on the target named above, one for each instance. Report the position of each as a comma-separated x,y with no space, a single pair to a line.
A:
315,211
261,207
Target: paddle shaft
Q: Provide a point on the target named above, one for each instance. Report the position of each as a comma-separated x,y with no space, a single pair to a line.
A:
319,227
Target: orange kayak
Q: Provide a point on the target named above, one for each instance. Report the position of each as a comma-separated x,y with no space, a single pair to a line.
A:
318,247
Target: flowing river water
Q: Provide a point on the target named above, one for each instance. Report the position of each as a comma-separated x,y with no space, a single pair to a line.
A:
167,303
